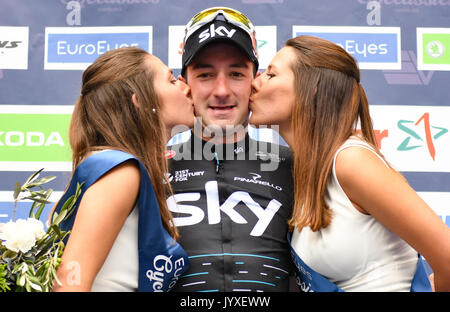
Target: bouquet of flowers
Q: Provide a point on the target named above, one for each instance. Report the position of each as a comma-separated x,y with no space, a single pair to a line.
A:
29,255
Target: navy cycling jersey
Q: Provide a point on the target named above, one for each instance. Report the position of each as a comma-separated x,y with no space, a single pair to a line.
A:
232,214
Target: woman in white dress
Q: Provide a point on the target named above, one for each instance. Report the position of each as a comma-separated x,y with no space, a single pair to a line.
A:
357,224
121,234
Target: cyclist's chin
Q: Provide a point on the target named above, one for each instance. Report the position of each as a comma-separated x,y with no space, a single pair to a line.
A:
225,124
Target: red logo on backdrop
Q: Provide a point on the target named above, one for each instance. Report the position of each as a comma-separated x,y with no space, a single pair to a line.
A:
379,135
432,133
169,154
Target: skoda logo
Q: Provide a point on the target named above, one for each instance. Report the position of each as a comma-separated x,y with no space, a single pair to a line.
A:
435,49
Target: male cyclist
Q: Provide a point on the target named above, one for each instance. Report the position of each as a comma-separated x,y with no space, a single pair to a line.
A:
233,194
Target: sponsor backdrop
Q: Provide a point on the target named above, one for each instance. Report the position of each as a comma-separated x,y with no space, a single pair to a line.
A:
402,46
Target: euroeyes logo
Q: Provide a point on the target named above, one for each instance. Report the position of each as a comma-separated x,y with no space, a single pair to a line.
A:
372,47
70,48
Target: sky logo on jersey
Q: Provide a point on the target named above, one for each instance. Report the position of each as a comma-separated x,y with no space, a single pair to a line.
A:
433,48
432,133
34,137
194,214
76,48
372,47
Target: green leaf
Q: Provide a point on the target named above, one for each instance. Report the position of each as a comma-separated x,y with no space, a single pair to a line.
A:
37,207
17,189
39,200
44,180
40,271
69,203
60,217
35,194
21,281
44,246
39,183
75,199
39,211
9,254
27,286
33,176
57,230
68,207
35,283
36,287
54,216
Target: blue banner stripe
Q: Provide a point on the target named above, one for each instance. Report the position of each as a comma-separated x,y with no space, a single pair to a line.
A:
419,181
428,181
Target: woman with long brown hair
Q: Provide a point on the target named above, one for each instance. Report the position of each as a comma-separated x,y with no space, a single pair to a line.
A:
122,237
357,224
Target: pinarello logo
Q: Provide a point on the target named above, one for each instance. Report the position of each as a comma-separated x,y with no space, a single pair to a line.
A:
169,154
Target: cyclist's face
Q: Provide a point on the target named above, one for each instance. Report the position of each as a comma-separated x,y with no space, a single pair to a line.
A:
220,78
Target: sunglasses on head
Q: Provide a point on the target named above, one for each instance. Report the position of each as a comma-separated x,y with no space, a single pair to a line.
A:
231,15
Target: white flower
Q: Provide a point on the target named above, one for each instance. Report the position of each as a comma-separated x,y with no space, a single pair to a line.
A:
22,234
37,227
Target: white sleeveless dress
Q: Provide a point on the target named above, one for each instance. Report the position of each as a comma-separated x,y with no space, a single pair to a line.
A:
356,252
119,273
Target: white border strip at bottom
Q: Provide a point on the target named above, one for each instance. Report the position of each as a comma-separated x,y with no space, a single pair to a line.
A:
35,165
7,196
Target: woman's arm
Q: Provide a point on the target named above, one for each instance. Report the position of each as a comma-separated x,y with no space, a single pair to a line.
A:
101,214
383,193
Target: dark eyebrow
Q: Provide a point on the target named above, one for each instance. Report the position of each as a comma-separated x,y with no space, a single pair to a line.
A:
239,65
169,74
271,68
200,65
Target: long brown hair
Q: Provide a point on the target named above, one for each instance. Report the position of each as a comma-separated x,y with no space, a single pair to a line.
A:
105,117
329,102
